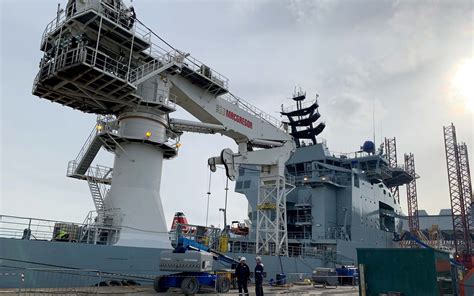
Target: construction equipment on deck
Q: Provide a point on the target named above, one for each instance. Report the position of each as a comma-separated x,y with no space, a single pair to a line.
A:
193,262
239,228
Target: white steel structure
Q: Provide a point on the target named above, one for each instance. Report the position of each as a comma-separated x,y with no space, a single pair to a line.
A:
272,235
99,59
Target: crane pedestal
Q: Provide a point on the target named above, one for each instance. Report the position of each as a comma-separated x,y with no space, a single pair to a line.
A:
139,152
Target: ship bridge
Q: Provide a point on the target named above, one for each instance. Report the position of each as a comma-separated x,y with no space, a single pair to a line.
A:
377,169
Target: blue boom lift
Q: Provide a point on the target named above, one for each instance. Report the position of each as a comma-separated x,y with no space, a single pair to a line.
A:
193,262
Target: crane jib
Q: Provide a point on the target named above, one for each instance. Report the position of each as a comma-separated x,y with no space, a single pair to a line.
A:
235,117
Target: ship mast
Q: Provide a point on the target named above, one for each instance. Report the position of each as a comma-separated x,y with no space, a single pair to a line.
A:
302,119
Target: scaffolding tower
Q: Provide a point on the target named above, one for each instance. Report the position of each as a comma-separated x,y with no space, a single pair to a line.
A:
412,199
391,154
461,233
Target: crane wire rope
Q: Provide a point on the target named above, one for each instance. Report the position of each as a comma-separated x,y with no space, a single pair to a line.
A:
157,36
208,197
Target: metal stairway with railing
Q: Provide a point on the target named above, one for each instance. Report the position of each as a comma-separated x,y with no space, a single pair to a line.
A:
98,177
88,152
96,196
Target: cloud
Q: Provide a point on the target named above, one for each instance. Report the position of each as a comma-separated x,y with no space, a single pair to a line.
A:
308,11
398,54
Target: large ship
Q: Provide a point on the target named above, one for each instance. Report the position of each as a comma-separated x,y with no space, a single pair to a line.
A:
308,207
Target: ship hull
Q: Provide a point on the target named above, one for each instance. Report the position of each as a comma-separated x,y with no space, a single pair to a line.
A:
49,263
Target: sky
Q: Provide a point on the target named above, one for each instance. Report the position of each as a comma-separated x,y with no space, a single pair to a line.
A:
403,67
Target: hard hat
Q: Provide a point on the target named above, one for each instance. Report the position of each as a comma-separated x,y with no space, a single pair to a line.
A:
258,258
242,259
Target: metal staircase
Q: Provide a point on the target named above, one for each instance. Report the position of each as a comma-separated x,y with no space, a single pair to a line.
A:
98,177
96,196
88,152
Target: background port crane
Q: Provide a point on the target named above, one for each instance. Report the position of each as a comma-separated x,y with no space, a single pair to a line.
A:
460,191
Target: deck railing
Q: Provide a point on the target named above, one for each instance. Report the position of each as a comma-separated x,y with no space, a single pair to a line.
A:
157,46
299,235
97,173
236,246
49,230
246,106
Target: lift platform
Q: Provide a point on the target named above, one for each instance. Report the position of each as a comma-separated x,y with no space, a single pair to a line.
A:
193,262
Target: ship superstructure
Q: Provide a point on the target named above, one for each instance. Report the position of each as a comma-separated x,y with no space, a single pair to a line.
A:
341,202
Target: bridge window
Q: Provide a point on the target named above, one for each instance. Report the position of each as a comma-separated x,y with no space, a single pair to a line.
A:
238,185
246,184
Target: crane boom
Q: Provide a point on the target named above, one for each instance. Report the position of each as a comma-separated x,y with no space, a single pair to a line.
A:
241,124
250,128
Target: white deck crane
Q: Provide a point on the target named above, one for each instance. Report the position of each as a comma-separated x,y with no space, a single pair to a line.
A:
250,129
99,59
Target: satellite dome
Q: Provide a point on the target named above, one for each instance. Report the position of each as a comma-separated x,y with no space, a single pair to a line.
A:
368,147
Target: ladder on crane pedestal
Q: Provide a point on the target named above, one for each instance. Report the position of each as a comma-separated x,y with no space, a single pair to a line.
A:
97,197
98,177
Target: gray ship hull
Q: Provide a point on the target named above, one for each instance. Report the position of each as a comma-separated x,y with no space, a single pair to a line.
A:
31,256
38,260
